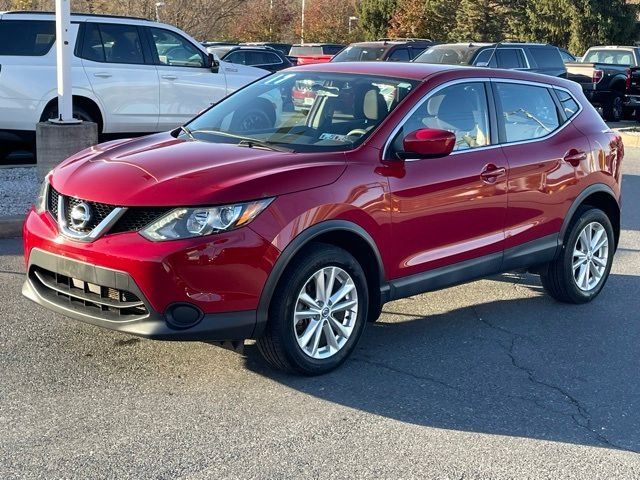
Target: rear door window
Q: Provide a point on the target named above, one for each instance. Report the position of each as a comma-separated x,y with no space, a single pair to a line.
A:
527,112
30,38
112,43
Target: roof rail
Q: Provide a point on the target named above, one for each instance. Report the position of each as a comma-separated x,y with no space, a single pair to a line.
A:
405,40
74,14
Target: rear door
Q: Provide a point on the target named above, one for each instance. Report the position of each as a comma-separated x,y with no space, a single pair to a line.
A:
544,151
187,85
122,76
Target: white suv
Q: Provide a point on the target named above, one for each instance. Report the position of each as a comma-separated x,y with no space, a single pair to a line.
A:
129,74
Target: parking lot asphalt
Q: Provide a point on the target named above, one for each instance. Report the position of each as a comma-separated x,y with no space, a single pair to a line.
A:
492,379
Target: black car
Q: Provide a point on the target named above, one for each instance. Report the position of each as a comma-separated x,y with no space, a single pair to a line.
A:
532,57
266,58
384,50
285,48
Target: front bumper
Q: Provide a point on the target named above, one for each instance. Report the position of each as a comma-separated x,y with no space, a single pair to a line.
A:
124,282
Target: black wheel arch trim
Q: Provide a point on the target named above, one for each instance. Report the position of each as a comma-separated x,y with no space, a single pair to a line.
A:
590,190
299,242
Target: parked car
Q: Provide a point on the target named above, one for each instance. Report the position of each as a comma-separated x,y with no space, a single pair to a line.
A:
532,57
266,58
285,48
309,53
221,43
610,78
128,74
385,50
296,228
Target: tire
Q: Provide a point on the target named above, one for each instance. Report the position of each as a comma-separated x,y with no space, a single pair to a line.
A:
289,345
637,115
614,109
78,112
374,313
560,280
262,116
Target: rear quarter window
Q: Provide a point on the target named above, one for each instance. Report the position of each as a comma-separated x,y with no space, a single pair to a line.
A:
569,104
30,38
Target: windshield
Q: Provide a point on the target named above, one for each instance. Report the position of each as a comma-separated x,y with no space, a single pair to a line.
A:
447,55
302,111
612,57
360,54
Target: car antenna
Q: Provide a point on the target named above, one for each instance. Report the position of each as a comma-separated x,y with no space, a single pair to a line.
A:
493,52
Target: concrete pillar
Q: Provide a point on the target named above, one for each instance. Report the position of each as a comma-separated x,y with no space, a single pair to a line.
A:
55,142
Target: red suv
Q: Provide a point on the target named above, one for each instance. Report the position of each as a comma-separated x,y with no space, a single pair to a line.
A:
294,227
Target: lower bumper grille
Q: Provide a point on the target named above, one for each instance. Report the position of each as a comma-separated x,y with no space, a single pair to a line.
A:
96,300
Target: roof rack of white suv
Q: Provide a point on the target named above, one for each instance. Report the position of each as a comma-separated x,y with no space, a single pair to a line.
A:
74,14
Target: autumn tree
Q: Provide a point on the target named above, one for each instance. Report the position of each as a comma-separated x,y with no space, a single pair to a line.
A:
375,17
263,20
481,20
423,19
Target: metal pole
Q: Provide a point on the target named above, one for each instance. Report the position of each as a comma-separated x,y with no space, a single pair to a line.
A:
63,59
302,25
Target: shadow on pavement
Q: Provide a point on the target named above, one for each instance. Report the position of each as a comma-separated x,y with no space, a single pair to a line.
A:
527,367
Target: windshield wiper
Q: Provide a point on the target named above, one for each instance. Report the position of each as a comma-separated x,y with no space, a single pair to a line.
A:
247,141
251,143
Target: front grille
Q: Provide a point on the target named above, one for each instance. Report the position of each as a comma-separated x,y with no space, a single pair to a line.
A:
137,218
96,300
133,220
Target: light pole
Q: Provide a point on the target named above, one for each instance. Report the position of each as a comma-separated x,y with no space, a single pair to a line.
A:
158,4
302,23
352,19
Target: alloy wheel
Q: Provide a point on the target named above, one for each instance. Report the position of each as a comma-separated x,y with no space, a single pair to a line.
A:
590,256
325,313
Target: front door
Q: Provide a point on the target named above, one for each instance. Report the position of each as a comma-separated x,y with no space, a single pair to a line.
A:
187,86
451,209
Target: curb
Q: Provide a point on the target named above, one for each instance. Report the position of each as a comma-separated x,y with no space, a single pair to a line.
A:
629,139
11,227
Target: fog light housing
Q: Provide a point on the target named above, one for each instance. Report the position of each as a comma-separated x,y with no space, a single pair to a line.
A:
183,315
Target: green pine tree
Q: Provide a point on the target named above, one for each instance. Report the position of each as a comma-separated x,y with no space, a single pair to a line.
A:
375,17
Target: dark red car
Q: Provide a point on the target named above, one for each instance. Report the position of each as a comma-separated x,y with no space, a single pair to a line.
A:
295,227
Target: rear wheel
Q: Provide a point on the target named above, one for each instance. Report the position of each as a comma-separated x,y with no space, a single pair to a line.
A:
614,109
78,112
318,312
583,266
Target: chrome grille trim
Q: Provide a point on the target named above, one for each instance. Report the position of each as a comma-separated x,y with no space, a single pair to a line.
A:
92,235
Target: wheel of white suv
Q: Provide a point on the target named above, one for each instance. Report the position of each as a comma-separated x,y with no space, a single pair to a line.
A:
582,268
318,311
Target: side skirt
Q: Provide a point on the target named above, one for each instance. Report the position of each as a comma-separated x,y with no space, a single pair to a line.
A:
530,254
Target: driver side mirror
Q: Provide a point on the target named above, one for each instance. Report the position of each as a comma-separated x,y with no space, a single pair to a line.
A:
428,143
213,63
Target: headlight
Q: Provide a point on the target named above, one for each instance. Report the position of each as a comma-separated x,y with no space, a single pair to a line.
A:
41,200
200,221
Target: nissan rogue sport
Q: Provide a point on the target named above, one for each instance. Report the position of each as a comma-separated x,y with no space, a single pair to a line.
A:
294,227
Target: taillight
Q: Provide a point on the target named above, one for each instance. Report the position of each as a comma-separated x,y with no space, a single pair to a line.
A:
597,76
627,82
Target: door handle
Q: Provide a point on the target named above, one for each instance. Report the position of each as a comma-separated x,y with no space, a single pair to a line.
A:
490,173
575,156
102,75
169,77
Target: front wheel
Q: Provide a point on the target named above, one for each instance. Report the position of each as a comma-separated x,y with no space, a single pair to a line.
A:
318,312
582,268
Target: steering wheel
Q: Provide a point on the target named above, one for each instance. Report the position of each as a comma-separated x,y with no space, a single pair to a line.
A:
357,131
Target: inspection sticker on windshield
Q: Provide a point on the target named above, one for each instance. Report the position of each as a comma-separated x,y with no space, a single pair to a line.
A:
334,136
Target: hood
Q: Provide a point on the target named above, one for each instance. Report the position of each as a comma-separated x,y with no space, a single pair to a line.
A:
160,170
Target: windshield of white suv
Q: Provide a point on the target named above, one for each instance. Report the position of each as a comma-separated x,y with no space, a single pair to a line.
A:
447,55
360,54
301,111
